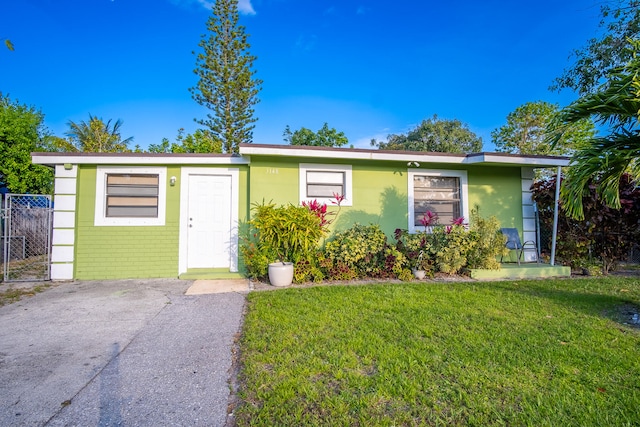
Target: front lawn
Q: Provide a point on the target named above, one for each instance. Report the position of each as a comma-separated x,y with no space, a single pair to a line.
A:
552,352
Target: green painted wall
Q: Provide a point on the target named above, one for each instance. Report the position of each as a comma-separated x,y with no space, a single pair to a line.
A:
380,190
112,252
497,191
379,196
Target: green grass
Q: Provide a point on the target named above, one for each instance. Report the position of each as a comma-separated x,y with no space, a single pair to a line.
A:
542,353
10,295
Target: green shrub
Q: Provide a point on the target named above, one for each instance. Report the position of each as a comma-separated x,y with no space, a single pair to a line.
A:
360,248
489,242
416,250
450,246
280,233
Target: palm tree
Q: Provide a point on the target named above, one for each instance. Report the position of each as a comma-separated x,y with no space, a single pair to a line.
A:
97,136
604,159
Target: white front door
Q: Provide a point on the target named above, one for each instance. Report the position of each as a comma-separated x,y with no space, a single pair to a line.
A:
209,228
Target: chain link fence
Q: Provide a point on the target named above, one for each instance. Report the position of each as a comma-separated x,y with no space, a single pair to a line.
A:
25,249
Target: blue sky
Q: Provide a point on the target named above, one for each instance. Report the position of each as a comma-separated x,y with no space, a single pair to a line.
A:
367,67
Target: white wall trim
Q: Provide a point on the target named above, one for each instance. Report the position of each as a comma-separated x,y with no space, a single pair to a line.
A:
101,219
234,173
528,214
464,190
348,184
64,222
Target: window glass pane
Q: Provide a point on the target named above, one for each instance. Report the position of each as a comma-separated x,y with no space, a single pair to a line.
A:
126,190
132,195
319,190
127,179
325,177
436,194
132,212
131,201
325,183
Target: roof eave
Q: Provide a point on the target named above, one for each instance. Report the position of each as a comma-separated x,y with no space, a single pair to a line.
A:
498,159
136,159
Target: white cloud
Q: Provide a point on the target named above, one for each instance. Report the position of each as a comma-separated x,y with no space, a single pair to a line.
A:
330,11
365,142
244,6
306,43
206,4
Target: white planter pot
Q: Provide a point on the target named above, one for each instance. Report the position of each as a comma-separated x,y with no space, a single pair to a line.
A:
281,273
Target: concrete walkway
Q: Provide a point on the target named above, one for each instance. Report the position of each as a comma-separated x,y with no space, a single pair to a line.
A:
110,353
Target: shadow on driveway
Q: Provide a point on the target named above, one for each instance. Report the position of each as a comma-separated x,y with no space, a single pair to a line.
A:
132,352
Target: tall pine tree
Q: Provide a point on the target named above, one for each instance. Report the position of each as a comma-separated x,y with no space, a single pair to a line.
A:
226,84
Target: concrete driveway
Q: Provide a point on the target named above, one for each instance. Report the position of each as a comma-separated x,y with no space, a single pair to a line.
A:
110,353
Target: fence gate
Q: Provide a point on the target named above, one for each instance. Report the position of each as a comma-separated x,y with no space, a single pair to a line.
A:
26,227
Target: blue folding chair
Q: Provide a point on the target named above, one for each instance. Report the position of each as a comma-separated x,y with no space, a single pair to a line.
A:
514,244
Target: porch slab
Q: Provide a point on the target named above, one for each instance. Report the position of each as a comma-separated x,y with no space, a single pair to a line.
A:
522,271
210,273
202,287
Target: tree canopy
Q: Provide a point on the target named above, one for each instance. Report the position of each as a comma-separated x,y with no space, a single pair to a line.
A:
325,137
22,131
201,141
528,128
226,83
8,44
435,135
616,106
96,136
620,21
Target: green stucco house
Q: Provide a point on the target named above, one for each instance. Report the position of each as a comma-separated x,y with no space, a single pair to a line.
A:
141,215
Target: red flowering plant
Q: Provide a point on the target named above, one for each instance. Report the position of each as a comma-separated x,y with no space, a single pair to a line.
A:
320,210
455,222
428,219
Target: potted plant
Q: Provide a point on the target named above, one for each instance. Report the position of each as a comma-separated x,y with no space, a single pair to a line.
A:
281,273
279,237
420,266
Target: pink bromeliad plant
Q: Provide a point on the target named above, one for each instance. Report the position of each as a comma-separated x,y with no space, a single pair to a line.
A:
320,209
455,222
428,219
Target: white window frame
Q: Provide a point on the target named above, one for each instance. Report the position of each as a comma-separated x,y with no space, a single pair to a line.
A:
464,193
316,167
101,191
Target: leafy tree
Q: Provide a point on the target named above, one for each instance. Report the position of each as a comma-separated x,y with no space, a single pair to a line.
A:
604,233
22,131
96,136
200,142
620,20
8,44
616,105
435,135
325,137
226,84
528,128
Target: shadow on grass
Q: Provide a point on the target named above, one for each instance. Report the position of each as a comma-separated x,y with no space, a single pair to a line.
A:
614,298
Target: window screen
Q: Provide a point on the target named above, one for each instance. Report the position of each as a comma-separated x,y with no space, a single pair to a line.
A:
437,194
132,195
325,184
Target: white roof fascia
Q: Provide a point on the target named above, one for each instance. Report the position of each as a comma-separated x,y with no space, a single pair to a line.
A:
402,156
350,155
518,160
137,160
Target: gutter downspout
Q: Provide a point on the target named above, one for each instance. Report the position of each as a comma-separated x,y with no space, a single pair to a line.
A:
555,218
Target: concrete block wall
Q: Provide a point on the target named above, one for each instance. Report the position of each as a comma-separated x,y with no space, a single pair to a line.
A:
64,222
528,213
127,252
